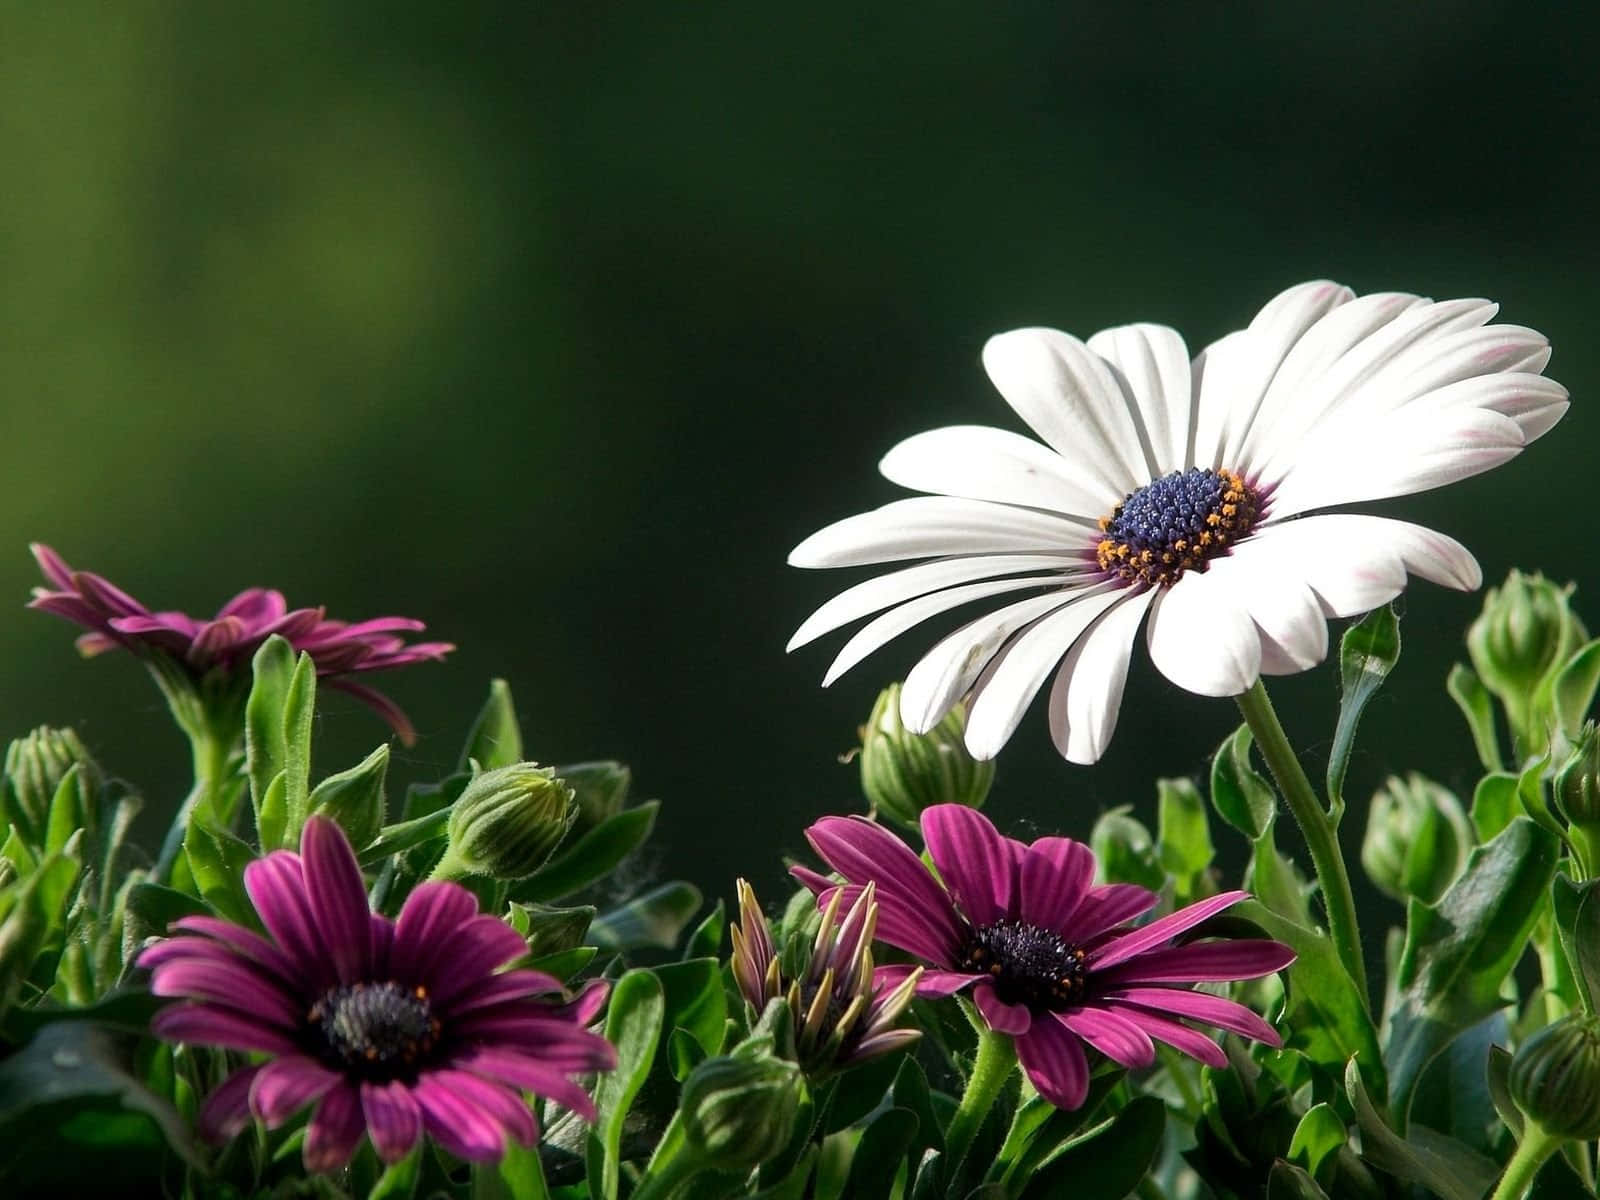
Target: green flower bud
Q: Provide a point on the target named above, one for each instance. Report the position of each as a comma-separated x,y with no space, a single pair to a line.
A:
903,773
1577,783
35,767
1526,630
1417,840
353,799
1125,850
1555,1078
739,1109
507,822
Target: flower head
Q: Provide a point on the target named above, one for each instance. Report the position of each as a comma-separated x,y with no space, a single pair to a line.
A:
390,1027
1181,492
844,1011
1048,958
226,642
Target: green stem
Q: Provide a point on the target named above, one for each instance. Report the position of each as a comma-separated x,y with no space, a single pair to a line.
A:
993,1066
1322,837
672,1165
211,755
1535,1147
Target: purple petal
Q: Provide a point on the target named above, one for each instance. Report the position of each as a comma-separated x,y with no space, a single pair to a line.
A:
214,641
286,1085
227,1110
255,607
231,984
1000,1016
277,889
386,708
1201,962
1108,906
106,596
1118,1038
335,1129
293,626
463,1129
501,1103
476,949
382,941
591,998
91,644
1054,881
246,941
393,1119
69,606
1055,1063
881,1043
1190,1041
203,1025
338,898
1199,1006
53,566
431,915
944,983
897,925
528,1075
1147,937
861,851
974,861
499,989
558,1044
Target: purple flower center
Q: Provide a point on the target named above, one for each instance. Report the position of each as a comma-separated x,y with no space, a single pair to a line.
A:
378,1030
1176,524
1028,965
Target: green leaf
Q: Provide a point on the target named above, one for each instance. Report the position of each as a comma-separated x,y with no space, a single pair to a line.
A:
684,1054
1459,952
1446,1168
857,1092
517,1176
298,710
266,752
1317,1138
1494,804
1497,1075
394,839
1573,687
1326,1018
592,857
70,808
1040,1128
399,1180
1367,653
550,930
495,739
217,861
793,1185
354,798
911,1091
695,1000
707,936
124,1010
33,921
600,788
633,1026
881,1152
150,910
564,964
1242,798
1183,834
1288,1182
1125,851
1476,705
655,919
1453,1096
1577,916
1109,1162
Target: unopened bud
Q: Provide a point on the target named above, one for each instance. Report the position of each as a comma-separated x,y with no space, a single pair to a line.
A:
1555,1078
739,1109
507,822
1577,783
35,767
353,799
903,773
1527,629
1417,840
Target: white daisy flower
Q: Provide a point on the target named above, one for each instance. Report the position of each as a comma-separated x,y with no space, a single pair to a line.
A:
1184,495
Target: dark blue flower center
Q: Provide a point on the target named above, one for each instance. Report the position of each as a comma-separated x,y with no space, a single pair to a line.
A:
376,1030
1176,524
1027,964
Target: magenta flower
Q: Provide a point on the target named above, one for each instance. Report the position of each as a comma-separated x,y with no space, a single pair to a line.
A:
389,1027
227,641
1050,959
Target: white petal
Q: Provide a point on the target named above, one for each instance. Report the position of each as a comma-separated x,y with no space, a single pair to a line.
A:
896,621
1154,364
1068,396
1213,367
928,525
1087,694
1247,371
993,464
1201,637
1294,631
910,582
948,671
1002,698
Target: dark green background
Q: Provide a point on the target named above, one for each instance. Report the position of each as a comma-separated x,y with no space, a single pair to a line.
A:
558,325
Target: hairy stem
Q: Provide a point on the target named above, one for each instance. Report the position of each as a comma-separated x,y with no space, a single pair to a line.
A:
1535,1147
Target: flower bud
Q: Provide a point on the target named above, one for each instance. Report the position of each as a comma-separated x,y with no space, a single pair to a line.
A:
353,799
739,1109
1577,783
507,822
1526,630
1555,1078
35,767
903,773
1417,840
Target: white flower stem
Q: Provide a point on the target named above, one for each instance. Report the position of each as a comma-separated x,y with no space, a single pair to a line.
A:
1322,836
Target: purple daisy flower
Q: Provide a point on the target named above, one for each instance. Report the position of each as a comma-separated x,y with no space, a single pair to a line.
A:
227,641
1050,959
391,1027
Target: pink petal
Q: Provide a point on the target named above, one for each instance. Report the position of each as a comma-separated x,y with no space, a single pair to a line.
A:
246,941
1001,1017
232,984
529,1075
286,1085
255,607
501,1103
53,565
476,949
1156,933
427,923
974,861
1055,1063
393,1119
1201,962
1115,1036
1108,906
277,888
227,1110
204,1025
1199,1006
1055,877
898,925
862,851
1190,1041
507,986
338,898
335,1129
463,1129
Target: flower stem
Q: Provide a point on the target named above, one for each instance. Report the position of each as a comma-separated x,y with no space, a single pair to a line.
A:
1322,837
1535,1147
993,1066
211,755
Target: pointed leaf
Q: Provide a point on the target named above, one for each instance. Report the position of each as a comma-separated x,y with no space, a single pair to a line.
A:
881,1152
707,936
1367,653
495,739
1573,688
1183,835
1477,706
1241,796
592,857
1317,1138
633,1026
1497,1075
1494,804
354,798
266,751
1453,1172
655,919
1288,1182
1111,1161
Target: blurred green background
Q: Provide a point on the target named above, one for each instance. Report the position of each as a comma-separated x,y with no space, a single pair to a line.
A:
558,325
